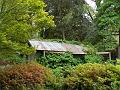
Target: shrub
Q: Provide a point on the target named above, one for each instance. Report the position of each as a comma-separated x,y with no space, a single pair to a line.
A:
61,73
54,60
27,75
94,77
93,58
12,58
118,61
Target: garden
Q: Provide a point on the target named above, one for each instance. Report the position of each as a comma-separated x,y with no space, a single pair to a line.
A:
94,24
61,72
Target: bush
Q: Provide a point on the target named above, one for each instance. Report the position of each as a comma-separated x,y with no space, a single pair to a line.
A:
93,58
94,77
12,58
54,60
61,73
29,75
118,61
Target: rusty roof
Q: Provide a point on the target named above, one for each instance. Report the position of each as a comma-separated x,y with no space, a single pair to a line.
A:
56,47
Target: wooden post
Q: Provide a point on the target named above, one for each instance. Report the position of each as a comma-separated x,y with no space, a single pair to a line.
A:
110,55
44,53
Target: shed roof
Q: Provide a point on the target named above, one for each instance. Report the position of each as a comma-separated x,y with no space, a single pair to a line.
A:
56,47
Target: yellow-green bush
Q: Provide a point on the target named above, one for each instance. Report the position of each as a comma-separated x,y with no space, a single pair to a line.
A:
94,77
27,75
118,61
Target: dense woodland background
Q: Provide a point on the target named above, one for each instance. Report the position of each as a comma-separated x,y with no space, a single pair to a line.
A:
76,20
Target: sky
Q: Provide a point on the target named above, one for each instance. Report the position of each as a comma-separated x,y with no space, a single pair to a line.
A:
91,3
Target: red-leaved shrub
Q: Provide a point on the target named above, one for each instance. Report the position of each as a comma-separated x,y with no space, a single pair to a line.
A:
27,75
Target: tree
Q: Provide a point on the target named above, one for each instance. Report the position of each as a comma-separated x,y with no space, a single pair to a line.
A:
108,23
20,20
71,22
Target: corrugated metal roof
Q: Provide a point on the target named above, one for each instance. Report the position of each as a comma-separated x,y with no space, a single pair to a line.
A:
57,47
75,49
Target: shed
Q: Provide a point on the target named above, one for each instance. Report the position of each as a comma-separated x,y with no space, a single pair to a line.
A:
56,47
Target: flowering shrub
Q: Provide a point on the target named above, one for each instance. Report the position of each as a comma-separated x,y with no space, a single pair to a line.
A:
25,75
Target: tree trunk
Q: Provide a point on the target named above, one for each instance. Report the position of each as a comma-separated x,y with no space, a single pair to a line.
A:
63,35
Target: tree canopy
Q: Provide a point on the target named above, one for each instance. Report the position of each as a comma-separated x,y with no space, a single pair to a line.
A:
108,23
70,19
20,20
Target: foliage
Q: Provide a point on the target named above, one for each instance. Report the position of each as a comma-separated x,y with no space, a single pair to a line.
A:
108,23
54,60
118,62
61,41
33,76
93,58
108,15
30,75
108,42
71,22
12,57
61,64
90,49
94,77
61,73
20,20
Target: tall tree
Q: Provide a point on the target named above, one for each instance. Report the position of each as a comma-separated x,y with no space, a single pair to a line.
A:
71,22
20,20
108,23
